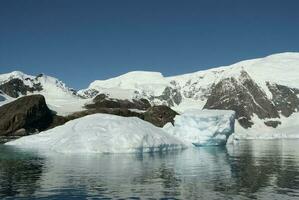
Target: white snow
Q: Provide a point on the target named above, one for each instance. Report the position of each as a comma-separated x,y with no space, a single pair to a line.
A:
289,128
133,80
280,68
15,74
4,99
102,133
59,97
126,85
50,85
203,127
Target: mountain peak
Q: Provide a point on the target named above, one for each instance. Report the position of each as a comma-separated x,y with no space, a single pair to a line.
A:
284,55
131,80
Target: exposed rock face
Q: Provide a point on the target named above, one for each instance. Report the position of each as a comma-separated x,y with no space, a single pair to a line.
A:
285,99
30,114
273,124
90,93
102,101
113,111
16,87
160,115
170,96
60,120
243,96
24,115
157,115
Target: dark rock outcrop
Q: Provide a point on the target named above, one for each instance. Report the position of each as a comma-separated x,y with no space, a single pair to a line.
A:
113,111
103,101
16,87
24,115
160,115
170,96
243,96
284,98
156,115
89,93
273,124
30,114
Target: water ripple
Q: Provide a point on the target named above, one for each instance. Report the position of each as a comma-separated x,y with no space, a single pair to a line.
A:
249,170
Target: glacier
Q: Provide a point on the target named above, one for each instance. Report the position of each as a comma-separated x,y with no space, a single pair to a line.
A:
101,133
203,127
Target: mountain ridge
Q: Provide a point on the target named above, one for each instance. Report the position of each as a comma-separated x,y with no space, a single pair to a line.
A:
270,85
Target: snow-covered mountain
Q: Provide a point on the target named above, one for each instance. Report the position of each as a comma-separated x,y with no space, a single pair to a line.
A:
17,83
264,89
59,97
278,68
263,92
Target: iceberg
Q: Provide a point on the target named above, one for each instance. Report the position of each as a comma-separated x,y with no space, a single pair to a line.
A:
203,127
102,133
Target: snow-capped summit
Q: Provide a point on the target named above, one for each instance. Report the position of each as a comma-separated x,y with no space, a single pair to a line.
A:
59,97
278,68
12,75
131,80
129,85
263,88
31,84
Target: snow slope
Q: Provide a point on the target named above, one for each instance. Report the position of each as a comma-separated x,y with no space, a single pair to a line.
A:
59,97
51,86
130,85
194,88
4,99
102,133
289,128
280,68
203,127
191,90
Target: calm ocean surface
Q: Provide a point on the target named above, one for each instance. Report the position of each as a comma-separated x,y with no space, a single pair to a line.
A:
248,170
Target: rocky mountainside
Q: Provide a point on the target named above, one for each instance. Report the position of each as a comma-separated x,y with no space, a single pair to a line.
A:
16,84
261,91
244,96
264,89
30,114
26,114
59,97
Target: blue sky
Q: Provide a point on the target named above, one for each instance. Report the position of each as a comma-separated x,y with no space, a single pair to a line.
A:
80,41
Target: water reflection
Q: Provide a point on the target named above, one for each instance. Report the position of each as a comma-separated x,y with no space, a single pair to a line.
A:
249,170
261,167
19,173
